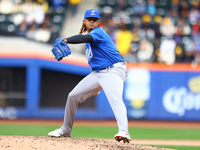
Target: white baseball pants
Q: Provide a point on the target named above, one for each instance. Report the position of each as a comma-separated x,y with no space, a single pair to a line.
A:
112,82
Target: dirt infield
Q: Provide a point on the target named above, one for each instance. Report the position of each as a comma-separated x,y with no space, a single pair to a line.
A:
48,143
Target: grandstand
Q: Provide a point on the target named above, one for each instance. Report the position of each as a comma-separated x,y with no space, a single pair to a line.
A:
152,24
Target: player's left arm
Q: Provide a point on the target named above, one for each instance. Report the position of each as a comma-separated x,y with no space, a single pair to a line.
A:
61,49
77,39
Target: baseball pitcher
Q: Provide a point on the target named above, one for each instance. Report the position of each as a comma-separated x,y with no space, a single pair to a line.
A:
109,74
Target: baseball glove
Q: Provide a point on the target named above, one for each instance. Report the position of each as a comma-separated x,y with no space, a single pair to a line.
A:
60,49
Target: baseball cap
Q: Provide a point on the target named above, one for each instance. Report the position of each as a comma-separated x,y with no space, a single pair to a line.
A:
91,13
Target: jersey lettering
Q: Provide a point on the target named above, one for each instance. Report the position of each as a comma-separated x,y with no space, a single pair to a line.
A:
89,53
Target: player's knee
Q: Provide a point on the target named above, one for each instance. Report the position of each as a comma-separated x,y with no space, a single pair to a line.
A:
73,97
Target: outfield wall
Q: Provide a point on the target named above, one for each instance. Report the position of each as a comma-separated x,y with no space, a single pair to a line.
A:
152,91
161,92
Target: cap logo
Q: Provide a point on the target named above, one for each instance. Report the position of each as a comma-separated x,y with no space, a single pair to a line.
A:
93,12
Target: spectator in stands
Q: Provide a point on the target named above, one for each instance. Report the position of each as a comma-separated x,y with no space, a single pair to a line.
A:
196,29
183,9
43,34
189,52
137,22
36,15
151,7
18,19
167,51
107,13
39,14
167,27
139,8
145,52
137,35
156,26
189,57
110,28
194,15
182,28
124,38
175,6
174,11
30,34
120,6
131,56
23,27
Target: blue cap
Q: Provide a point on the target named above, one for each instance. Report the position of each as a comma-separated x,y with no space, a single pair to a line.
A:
91,13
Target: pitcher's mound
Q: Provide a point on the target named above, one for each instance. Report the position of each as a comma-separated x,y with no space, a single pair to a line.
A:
72,143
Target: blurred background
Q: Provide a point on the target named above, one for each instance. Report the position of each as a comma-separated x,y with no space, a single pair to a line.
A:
159,40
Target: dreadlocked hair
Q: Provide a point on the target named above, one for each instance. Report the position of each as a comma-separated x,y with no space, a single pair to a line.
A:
83,29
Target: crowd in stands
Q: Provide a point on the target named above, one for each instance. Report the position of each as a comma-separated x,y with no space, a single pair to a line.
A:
164,31
38,20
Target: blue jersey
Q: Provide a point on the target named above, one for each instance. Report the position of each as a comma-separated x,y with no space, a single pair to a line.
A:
101,52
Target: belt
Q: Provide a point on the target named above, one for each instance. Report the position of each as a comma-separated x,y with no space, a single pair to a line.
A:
111,66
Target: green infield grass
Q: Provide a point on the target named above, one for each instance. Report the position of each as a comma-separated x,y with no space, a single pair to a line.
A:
108,133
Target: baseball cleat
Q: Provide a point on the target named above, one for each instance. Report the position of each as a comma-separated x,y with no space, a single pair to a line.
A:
57,133
123,136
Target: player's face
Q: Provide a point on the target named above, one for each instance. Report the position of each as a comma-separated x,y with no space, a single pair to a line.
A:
91,23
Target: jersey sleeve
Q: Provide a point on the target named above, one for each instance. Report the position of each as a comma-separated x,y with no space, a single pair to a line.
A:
97,35
76,39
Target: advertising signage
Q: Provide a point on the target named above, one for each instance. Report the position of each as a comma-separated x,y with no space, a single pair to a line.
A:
163,95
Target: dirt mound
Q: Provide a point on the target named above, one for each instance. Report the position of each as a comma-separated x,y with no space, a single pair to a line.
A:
49,143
